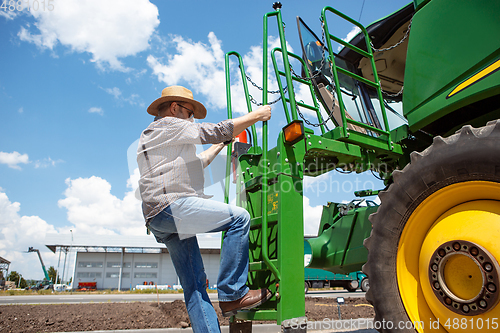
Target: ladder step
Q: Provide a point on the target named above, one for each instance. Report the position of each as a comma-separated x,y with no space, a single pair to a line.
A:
257,315
260,265
256,222
295,78
378,144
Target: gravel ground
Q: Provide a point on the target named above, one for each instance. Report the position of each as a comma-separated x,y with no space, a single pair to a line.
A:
143,315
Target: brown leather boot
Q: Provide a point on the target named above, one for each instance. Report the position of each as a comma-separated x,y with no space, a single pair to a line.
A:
251,300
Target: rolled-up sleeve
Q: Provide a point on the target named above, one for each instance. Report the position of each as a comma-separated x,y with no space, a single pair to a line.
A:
216,133
181,131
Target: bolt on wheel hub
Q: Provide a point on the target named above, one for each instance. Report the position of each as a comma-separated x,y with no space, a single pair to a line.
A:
464,277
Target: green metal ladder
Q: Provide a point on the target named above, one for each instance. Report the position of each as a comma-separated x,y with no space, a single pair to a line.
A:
270,181
276,235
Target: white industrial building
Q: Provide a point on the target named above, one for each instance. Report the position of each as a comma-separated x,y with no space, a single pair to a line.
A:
123,262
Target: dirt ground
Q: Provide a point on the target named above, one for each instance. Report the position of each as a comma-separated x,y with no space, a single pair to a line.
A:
143,315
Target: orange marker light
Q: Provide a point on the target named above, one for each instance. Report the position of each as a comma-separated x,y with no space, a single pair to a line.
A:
294,132
242,137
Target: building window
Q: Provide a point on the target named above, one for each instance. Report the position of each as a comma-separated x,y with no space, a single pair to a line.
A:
145,275
112,275
113,264
126,275
89,264
127,265
146,265
88,275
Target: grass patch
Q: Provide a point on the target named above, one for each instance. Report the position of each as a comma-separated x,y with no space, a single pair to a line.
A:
16,292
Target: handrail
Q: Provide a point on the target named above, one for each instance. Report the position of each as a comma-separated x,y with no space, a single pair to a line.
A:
245,88
367,54
230,114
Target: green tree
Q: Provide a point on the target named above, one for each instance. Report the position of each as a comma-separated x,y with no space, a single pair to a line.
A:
31,282
52,275
15,276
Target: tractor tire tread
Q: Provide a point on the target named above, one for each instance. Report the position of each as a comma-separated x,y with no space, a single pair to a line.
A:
446,161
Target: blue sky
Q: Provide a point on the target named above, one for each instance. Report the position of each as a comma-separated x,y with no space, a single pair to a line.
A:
74,87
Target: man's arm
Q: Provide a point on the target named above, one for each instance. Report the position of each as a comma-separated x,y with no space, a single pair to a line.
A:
239,124
208,155
263,113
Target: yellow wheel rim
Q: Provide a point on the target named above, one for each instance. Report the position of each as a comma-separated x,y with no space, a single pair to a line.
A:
430,283
463,277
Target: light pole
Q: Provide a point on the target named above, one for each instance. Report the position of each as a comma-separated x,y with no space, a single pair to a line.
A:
66,250
70,246
58,264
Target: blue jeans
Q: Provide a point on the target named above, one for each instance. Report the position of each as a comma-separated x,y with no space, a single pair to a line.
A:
175,227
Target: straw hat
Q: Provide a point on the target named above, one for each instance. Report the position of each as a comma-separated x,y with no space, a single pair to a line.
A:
178,94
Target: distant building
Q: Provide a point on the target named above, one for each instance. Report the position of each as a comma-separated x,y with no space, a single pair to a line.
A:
4,267
122,262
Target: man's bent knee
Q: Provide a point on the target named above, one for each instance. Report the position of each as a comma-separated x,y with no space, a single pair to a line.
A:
242,213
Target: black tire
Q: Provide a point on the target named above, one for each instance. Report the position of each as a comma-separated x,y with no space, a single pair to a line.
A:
365,284
306,287
469,156
351,286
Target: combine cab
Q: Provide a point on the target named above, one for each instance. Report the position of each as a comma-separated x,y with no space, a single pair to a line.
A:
415,100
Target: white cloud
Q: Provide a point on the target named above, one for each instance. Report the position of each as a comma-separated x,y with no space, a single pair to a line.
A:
350,35
133,99
97,110
354,31
312,217
303,94
46,162
318,185
108,30
8,14
133,181
20,110
92,207
198,64
17,233
13,159
201,66
115,91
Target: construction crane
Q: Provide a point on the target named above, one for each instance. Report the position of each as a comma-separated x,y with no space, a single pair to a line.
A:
47,278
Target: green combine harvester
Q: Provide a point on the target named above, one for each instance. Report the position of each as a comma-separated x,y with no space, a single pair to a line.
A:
431,249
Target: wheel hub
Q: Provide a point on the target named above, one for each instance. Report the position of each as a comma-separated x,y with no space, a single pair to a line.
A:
464,277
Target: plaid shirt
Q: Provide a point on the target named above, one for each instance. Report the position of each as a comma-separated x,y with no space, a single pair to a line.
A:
168,164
